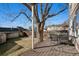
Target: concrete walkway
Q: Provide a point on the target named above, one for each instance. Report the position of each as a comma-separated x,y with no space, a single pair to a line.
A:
47,49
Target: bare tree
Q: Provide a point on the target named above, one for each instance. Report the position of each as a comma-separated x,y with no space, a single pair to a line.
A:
45,14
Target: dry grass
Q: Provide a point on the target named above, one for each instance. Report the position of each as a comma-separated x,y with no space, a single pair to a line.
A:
15,46
25,43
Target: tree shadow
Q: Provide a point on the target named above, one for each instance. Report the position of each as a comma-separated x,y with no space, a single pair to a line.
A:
9,45
54,45
46,46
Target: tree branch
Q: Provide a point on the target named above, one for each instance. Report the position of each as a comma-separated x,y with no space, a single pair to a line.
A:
41,9
28,6
20,14
36,14
47,11
27,17
35,10
51,15
49,8
46,6
16,17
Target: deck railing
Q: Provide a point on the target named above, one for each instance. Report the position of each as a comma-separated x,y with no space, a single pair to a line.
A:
59,36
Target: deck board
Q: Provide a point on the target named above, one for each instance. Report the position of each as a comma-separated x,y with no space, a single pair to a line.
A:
45,49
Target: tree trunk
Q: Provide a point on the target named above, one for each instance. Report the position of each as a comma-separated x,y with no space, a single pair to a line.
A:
41,35
40,28
38,31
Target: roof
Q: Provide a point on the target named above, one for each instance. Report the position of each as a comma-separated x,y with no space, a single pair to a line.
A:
65,24
55,25
4,29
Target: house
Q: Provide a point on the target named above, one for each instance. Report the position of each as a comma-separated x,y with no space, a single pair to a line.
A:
7,33
63,26
57,27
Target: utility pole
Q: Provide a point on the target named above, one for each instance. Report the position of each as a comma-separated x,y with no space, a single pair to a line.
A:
32,26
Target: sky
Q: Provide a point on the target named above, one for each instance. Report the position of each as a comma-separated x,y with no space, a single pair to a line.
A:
9,10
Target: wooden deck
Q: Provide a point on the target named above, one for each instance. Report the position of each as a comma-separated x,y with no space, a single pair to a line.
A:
47,49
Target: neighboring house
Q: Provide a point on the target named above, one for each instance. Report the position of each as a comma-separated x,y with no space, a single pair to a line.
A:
6,33
57,27
63,26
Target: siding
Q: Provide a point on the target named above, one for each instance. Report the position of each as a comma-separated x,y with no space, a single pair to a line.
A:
2,37
13,35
